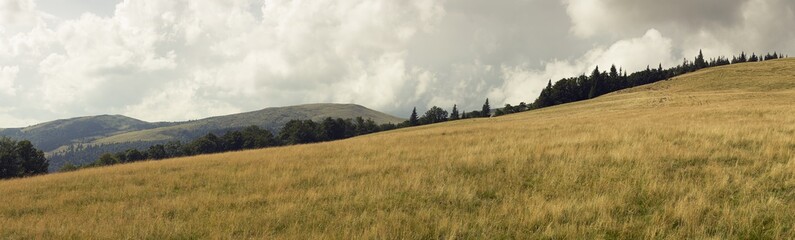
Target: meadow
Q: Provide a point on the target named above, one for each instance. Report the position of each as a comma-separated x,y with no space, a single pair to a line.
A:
706,155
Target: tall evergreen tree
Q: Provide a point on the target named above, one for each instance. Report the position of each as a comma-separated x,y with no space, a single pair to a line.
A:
596,83
613,72
486,112
454,114
414,119
743,58
753,58
546,98
700,62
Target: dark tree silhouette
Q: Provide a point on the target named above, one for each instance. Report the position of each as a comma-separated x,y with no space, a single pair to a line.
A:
414,119
596,81
21,159
454,113
486,111
434,115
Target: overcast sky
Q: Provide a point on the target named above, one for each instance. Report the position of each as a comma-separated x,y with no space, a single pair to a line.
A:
177,60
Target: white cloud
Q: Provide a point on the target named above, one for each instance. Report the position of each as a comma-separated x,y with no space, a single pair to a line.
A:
8,75
225,58
589,17
176,60
630,54
17,12
719,27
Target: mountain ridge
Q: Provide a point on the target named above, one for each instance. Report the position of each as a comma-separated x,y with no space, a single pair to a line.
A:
108,133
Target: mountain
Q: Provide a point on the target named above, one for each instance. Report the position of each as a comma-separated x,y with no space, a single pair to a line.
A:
707,155
272,119
52,135
83,140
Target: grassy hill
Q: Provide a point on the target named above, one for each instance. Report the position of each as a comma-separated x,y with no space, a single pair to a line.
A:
272,119
706,155
52,135
83,140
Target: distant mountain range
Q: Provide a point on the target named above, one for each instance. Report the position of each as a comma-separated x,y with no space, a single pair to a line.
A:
108,133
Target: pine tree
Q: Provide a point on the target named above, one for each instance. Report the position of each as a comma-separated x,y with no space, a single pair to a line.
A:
613,72
753,58
700,63
454,114
414,120
486,112
596,82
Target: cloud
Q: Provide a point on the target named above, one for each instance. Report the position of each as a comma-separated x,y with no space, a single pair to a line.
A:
222,57
20,16
14,12
721,27
634,54
622,17
8,76
181,59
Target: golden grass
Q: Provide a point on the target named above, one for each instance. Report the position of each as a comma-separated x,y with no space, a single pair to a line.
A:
708,155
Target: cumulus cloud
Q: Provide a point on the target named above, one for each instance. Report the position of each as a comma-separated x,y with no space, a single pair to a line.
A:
17,12
630,54
20,15
178,60
8,75
172,60
721,27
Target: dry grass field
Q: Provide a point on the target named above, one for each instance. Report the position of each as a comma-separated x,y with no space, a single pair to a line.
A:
706,155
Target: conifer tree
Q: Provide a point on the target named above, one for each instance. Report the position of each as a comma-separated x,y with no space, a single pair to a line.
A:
454,114
596,82
613,72
700,63
414,119
743,58
486,112
753,58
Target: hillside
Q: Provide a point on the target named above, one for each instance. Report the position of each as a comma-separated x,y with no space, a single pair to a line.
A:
272,119
83,140
705,155
52,135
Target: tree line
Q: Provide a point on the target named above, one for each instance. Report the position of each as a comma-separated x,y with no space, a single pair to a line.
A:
253,137
294,132
20,159
598,83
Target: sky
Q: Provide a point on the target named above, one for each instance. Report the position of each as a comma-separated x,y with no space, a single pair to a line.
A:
180,60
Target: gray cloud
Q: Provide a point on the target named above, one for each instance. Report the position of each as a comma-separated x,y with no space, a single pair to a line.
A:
177,60
621,17
721,26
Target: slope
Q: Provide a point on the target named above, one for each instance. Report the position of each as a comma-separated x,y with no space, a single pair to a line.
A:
69,143
707,155
52,135
272,119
